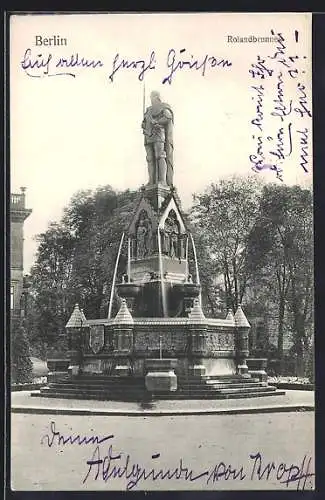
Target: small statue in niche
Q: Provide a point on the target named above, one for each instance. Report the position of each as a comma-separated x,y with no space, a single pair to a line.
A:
165,242
148,237
141,240
144,236
173,251
173,233
169,225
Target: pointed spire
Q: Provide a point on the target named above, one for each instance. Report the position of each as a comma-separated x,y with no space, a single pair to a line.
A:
230,316
196,315
84,319
76,319
123,316
240,318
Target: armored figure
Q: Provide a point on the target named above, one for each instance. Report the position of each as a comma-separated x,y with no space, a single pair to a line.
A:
144,236
173,252
141,240
149,236
171,232
157,128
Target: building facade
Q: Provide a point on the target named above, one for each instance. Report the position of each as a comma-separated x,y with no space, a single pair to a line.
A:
18,215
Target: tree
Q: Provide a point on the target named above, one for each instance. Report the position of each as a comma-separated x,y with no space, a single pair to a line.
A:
259,240
283,233
268,248
75,261
51,297
224,217
21,365
97,221
301,297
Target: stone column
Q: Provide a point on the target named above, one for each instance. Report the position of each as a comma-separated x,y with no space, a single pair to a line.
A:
198,337
242,349
74,329
123,336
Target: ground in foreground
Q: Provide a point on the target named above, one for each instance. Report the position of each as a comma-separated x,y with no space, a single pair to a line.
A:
210,452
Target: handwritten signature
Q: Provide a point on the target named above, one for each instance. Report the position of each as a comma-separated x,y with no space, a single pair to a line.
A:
110,464
46,65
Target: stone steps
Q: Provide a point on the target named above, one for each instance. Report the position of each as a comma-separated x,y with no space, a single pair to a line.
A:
115,383
235,390
105,387
137,392
122,396
214,387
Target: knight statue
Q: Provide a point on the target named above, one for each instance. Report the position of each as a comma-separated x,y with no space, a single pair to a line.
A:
157,128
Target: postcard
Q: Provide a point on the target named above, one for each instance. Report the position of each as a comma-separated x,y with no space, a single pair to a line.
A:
161,286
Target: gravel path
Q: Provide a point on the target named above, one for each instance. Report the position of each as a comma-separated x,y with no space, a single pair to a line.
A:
24,400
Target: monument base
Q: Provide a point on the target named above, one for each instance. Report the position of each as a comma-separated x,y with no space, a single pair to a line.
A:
122,370
197,370
73,370
161,376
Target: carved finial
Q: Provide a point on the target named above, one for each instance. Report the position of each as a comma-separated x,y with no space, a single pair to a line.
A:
76,319
123,316
240,318
196,315
230,316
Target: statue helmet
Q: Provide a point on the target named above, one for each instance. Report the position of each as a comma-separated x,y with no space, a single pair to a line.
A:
155,94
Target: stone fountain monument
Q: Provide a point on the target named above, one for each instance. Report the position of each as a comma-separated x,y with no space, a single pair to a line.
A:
159,344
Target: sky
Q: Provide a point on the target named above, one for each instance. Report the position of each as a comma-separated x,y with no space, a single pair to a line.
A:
79,132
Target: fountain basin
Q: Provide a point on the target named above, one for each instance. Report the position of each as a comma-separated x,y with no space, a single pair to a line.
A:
128,290
187,290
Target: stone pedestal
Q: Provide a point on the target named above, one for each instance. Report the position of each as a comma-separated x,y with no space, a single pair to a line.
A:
73,370
197,370
122,370
243,369
161,376
56,376
75,354
257,368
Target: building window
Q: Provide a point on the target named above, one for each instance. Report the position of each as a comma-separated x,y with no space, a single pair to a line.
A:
12,295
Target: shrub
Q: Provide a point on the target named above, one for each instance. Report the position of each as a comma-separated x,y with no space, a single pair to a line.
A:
21,365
